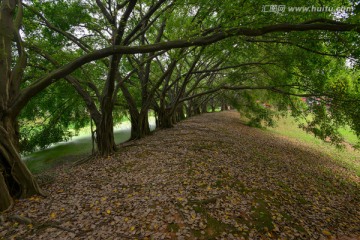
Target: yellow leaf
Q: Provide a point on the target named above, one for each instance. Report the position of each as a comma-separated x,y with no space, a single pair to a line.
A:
52,215
132,228
36,199
126,219
326,232
108,211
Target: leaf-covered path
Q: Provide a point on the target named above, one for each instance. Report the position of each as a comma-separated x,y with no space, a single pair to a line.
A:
209,177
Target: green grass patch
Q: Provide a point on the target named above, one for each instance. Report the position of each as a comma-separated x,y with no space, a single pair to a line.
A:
348,158
349,135
63,153
173,227
262,217
214,227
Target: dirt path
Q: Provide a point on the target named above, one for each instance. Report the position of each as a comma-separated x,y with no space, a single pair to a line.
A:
210,177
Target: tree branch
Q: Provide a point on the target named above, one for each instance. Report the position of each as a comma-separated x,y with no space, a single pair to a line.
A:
69,36
52,77
234,66
107,15
237,88
297,45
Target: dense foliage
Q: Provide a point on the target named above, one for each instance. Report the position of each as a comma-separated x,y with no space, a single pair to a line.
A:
72,62
308,64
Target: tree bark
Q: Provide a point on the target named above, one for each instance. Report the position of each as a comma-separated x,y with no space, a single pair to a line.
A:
105,141
16,181
180,112
196,109
140,125
165,118
204,108
188,109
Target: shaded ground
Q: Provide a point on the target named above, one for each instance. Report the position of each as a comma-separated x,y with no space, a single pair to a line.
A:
210,177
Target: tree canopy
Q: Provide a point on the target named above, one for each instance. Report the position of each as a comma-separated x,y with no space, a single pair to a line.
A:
71,62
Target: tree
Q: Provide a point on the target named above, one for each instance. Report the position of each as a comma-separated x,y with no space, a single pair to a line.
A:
15,179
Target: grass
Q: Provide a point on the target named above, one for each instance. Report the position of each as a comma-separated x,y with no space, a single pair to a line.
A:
262,217
347,157
73,150
349,135
62,153
214,227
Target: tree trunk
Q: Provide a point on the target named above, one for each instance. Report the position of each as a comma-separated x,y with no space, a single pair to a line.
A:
157,122
165,118
173,119
16,181
188,110
140,125
212,104
196,110
204,108
105,141
180,112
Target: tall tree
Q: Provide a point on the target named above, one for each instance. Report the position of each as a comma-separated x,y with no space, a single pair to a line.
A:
15,180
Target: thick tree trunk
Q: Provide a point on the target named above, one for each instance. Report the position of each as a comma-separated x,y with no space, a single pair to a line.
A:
105,141
196,110
204,108
212,104
165,118
16,181
6,200
173,119
180,113
157,122
188,109
140,125
139,121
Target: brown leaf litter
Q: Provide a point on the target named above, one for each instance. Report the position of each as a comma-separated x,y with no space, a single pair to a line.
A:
209,177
